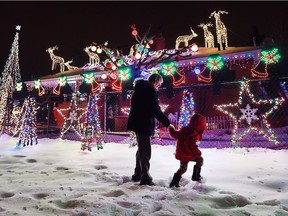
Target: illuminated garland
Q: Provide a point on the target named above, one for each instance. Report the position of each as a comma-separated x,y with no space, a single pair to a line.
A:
250,116
268,57
72,121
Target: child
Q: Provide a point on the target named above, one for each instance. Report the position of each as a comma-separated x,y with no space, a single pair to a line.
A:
187,149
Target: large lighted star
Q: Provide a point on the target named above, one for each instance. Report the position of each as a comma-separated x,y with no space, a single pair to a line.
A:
72,118
245,91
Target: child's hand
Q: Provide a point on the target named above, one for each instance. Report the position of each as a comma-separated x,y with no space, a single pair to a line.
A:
171,126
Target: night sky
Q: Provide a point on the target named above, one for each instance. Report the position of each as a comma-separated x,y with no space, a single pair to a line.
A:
74,25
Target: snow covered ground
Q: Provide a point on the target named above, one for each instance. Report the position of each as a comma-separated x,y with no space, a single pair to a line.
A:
56,178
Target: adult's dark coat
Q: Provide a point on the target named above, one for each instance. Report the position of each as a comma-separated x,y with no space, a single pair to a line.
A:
144,109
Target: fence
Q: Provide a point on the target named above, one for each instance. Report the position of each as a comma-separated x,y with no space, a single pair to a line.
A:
113,108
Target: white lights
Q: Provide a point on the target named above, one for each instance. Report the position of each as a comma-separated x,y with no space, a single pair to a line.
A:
99,50
104,76
194,48
137,55
93,48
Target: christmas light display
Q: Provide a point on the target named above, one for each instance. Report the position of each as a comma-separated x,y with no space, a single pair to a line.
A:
18,117
93,57
186,109
208,36
3,109
91,131
73,117
268,57
70,67
213,64
19,86
39,86
168,68
221,30
10,76
185,39
89,78
56,59
157,134
62,82
125,110
252,112
132,136
124,74
28,133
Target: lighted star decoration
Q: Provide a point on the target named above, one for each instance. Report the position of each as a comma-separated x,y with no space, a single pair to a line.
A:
213,64
249,114
18,27
72,118
268,57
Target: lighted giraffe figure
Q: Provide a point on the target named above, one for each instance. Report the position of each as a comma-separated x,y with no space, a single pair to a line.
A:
221,30
185,39
93,57
56,59
70,67
208,36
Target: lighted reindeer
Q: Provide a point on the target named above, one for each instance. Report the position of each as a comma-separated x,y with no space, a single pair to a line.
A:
185,39
70,67
208,36
56,59
93,57
221,30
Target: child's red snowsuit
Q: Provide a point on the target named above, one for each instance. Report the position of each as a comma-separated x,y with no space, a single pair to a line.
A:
187,137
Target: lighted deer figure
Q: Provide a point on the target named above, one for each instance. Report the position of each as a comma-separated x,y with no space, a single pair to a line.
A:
56,59
70,67
93,57
221,30
185,39
208,36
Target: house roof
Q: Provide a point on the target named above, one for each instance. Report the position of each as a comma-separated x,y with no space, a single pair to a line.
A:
196,57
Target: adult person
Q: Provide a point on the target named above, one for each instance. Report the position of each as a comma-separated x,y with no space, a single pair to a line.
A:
141,120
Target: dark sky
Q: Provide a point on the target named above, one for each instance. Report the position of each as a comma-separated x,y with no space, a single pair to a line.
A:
73,25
